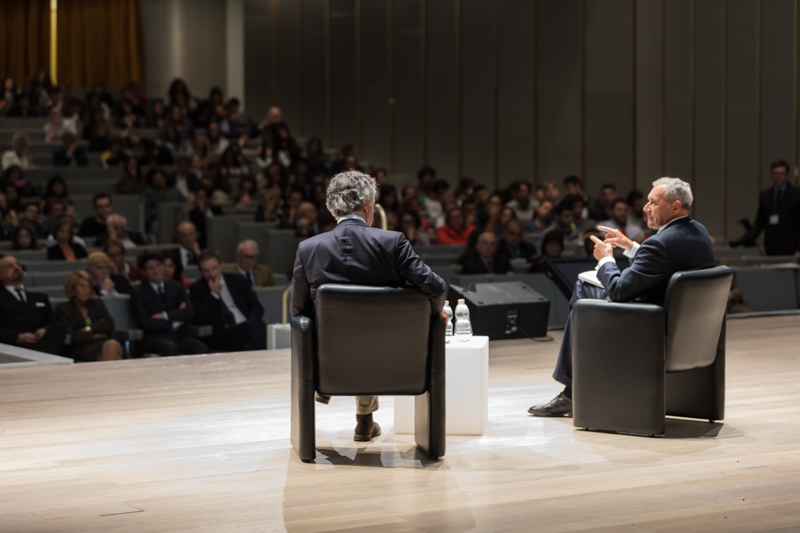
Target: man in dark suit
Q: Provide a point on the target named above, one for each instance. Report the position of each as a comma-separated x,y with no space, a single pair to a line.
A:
95,225
512,245
106,282
247,266
488,261
680,244
226,302
28,318
778,215
356,253
163,310
70,155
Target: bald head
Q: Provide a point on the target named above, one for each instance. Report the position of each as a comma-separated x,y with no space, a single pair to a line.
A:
247,255
186,235
487,245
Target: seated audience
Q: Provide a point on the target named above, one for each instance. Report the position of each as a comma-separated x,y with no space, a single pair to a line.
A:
173,269
57,126
13,176
131,181
434,203
521,201
512,245
100,139
105,282
117,228
87,321
411,226
636,216
602,207
291,215
202,210
257,275
552,248
164,311
184,178
95,225
565,223
189,247
228,303
115,155
66,247
22,107
70,154
28,317
579,214
115,251
307,225
542,221
19,154
573,186
487,260
246,195
22,238
157,192
30,218
619,221
454,231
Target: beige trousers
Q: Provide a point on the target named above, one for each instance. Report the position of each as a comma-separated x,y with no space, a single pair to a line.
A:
365,405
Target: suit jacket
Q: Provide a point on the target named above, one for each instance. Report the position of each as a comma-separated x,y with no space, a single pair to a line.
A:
134,236
74,321
19,317
62,159
474,265
782,238
357,254
121,284
207,308
262,275
527,250
146,303
54,253
683,245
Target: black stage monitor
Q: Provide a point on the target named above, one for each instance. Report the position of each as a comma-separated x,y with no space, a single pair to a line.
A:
564,272
504,309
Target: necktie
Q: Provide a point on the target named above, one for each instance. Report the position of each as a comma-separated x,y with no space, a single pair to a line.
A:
776,200
162,297
21,295
190,258
490,266
622,230
250,278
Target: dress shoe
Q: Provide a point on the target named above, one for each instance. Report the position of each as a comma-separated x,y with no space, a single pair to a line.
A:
558,406
366,429
322,399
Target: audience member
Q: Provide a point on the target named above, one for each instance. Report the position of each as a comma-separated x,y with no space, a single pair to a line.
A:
487,260
173,269
66,248
291,212
157,192
434,203
426,176
87,320
116,154
552,248
104,281
22,238
602,207
57,126
521,201
117,228
31,219
22,108
184,179
131,181
542,221
164,311
257,275
619,221
513,245
13,175
115,251
95,225
100,139
200,211
573,186
636,215
307,225
217,144
454,231
228,304
28,317
189,248
565,223
19,154
411,226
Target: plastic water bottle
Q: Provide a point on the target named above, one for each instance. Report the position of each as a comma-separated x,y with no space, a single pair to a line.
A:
449,311
463,325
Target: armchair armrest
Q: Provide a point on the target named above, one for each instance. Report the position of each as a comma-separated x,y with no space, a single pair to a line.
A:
201,331
303,387
129,335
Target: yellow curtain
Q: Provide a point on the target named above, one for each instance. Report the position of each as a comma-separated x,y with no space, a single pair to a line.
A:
24,38
100,41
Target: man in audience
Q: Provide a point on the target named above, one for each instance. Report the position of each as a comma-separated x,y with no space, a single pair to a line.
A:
96,225
184,178
57,126
512,246
521,202
115,251
70,155
778,215
117,228
307,225
28,319
578,206
488,261
602,207
619,221
565,223
573,186
189,248
105,281
636,217
680,244
31,219
164,311
257,275
290,217
228,303
385,259
434,210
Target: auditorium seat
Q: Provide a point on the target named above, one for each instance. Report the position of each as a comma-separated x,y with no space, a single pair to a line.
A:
634,363
44,266
169,214
410,360
768,289
222,232
279,250
48,279
271,299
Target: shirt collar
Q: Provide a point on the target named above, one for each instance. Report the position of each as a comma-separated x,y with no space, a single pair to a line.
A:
351,216
665,226
242,272
156,286
782,188
13,290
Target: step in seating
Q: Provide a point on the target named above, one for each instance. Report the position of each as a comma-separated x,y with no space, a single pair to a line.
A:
253,231
35,267
222,233
131,206
767,289
169,215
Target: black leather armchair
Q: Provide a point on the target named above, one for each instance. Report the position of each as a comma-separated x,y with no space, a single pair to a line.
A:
635,363
369,341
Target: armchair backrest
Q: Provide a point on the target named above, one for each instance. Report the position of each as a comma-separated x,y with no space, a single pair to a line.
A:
371,340
695,306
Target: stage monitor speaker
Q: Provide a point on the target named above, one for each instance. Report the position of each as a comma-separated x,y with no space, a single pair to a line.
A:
504,310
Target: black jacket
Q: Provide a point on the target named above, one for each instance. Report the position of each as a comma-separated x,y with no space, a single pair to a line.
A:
19,317
121,284
74,321
357,254
782,238
63,159
90,227
474,265
683,245
207,308
54,253
527,250
146,303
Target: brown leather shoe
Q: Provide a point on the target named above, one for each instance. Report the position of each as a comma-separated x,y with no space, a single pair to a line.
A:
366,429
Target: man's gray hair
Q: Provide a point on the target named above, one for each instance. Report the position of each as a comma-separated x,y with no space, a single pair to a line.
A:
347,191
116,217
676,189
241,245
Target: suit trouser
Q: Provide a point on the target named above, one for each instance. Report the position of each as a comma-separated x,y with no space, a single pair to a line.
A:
247,336
365,405
177,344
563,371
51,342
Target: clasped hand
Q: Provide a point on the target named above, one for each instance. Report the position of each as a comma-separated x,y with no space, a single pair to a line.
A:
614,239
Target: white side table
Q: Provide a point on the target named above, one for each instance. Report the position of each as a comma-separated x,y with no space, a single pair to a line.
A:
467,390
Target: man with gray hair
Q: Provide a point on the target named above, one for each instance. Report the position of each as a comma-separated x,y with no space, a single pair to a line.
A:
356,253
257,275
680,244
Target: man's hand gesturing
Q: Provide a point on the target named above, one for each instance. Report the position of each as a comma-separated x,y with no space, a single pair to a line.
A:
602,248
616,239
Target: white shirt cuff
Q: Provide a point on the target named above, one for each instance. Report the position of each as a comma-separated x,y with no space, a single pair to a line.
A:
632,252
165,315
215,295
607,259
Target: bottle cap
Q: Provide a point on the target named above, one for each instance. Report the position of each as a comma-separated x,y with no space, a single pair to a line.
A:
447,302
461,301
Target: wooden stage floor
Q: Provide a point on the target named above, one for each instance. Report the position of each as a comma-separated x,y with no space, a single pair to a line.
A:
201,443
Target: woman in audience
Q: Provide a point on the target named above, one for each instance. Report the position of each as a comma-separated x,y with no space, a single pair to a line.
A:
57,188
217,144
157,191
268,210
318,162
246,195
9,93
115,251
65,249
126,118
131,181
471,249
116,154
173,268
388,198
284,147
87,321
455,230
176,117
18,155
15,176
179,95
552,248
411,226
12,204
171,140
264,156
200,211
232,162
100,138
157,116
542,219
494,209
23,238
